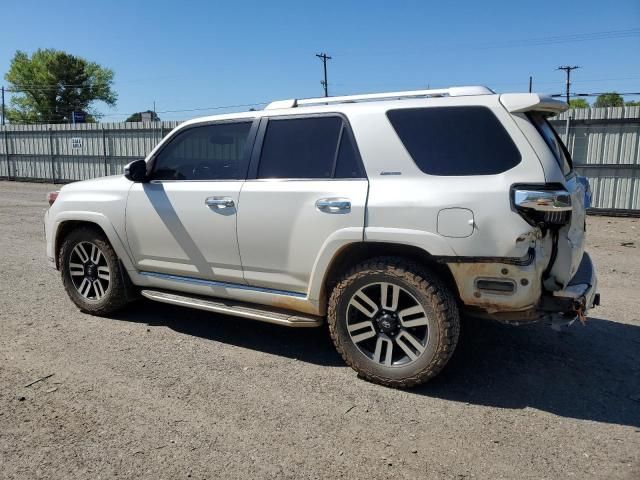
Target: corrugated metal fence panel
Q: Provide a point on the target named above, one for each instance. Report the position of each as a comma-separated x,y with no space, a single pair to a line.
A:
64,153
605,146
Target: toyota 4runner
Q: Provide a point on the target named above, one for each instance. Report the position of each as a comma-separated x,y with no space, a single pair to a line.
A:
387,214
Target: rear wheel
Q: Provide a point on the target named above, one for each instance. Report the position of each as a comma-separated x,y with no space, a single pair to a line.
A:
91,272
393,322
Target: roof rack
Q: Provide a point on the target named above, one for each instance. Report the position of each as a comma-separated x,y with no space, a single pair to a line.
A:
439,92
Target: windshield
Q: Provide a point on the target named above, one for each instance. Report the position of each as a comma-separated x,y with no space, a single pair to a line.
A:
553,141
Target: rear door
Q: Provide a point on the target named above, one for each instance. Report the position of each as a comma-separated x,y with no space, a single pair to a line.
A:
306,193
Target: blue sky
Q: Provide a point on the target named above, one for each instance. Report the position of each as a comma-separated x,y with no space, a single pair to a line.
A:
199,54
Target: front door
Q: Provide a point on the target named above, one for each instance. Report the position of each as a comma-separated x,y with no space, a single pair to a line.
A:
183,221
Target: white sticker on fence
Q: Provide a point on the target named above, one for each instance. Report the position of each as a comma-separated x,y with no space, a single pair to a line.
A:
76,143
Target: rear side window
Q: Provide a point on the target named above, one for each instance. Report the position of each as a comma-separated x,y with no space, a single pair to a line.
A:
313,147
208,152
455,140
553,141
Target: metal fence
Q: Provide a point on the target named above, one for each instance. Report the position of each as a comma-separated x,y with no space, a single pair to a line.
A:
64,153
604,143
605,146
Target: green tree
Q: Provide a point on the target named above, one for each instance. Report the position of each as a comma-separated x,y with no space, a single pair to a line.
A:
137,117
632,104
51,84
610,99
578,103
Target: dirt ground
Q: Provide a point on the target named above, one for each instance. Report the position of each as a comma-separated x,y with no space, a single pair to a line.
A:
164,392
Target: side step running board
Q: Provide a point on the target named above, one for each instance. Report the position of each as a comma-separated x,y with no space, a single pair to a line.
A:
229,307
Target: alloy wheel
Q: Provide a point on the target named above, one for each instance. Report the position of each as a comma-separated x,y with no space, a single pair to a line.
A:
387,324
89,271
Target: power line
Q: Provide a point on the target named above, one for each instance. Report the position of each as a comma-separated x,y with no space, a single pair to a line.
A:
324,57
512,43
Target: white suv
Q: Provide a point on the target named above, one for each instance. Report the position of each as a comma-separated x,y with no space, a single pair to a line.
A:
387,214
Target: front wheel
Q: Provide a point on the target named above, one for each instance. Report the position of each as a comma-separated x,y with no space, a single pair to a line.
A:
393,322
91,272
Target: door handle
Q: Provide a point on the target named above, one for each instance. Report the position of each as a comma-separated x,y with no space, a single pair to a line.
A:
334,205
219,202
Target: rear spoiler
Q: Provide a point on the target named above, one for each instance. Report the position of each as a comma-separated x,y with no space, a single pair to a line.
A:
529,102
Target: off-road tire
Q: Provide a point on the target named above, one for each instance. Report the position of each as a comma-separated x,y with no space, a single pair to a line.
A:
120,290
437,300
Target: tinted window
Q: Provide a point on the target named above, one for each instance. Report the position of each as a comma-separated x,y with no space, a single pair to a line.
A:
300,148
210,152
553,141
455,140
348,164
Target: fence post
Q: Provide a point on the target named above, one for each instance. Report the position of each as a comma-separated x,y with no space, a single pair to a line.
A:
51,157
104,151
6,152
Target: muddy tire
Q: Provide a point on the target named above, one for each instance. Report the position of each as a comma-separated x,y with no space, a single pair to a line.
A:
393,322
92,274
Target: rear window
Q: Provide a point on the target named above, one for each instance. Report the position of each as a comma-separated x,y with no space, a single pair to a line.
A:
455,140
553,141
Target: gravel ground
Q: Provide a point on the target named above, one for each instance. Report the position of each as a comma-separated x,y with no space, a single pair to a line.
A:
163,392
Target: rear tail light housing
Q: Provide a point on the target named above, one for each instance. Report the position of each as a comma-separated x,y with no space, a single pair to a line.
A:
52,196
542,205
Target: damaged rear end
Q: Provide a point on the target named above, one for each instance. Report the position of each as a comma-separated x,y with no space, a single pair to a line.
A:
556,279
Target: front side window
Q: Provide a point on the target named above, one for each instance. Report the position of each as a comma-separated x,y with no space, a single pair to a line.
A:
208,152
307,148
455,140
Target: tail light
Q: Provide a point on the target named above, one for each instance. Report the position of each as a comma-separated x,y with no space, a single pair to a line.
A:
542,204
51,197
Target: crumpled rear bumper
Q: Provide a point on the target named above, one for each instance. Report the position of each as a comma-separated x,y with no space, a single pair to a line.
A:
581,294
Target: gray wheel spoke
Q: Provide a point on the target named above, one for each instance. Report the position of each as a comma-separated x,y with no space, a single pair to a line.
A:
363,303
368,333
419,317
81,253
409,344
97,287
95,254
104,273
85,287
76,269
384,295
387,343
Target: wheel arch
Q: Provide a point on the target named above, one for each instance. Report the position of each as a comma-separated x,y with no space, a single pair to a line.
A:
68,223
355,253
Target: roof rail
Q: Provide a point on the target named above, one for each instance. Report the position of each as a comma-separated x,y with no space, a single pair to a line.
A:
439,92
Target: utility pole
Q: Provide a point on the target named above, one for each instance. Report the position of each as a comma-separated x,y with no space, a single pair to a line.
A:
3,105
568,69
324,57
530,83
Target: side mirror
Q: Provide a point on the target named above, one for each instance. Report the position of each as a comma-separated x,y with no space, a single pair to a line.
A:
136,171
